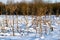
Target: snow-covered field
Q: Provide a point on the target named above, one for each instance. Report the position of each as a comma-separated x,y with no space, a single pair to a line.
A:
30,33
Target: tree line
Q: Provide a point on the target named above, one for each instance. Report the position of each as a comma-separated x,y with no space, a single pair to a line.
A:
23,8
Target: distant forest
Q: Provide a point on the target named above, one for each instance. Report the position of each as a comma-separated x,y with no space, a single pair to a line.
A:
23,8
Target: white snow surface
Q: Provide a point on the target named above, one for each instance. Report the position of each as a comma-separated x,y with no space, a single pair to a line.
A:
32,35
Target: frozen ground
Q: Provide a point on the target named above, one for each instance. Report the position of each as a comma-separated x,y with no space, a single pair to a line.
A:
53,35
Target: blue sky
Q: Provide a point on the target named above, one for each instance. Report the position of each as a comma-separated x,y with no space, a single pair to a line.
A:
53,1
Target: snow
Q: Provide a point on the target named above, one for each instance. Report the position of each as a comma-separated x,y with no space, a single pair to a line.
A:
42,37
31,34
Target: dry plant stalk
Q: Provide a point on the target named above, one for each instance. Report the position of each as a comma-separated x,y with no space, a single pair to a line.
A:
41,12
50,21
25,9
17,23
